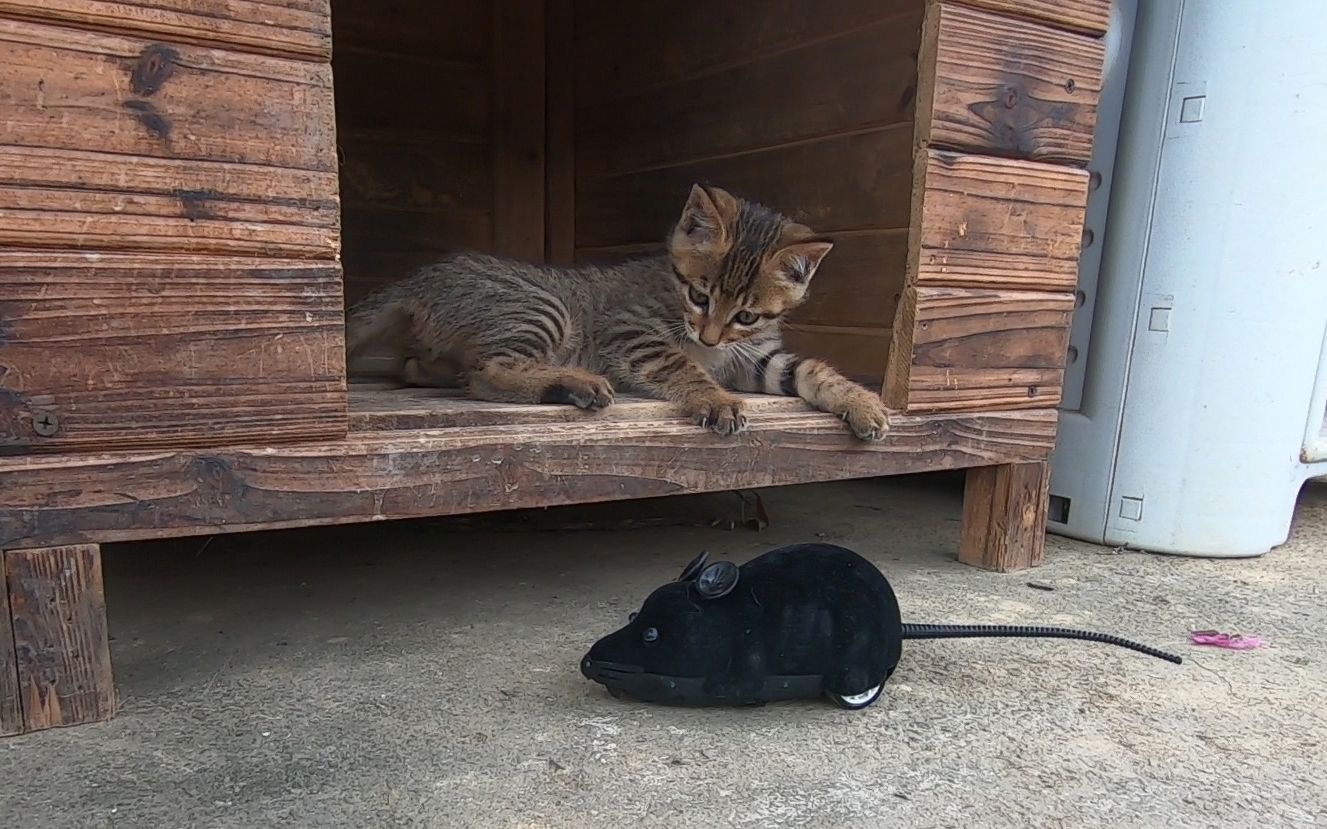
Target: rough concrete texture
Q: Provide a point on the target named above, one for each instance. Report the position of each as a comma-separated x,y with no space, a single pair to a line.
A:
425,674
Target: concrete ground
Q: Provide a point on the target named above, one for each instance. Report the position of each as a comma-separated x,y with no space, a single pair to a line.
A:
425,674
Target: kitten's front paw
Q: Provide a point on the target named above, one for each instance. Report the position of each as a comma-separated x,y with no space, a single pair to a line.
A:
721,412
584,391
867,416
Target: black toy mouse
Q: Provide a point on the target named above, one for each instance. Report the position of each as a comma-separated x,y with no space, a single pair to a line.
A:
798,621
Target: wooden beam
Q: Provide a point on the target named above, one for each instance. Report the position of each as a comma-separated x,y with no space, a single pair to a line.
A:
968,350
11,711
60,637
518,129
301,30
1005,86
382,475
1089,16
560,210
1004,516
116,350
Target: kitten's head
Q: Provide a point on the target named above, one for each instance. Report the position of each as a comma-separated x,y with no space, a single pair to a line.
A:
740,266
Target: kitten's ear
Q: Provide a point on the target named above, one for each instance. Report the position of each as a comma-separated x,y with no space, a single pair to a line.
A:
799,261
704,219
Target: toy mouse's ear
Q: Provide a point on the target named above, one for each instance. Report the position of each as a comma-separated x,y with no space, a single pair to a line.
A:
693,569
717,580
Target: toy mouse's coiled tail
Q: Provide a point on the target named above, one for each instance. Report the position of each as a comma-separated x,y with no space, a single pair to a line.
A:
1029,632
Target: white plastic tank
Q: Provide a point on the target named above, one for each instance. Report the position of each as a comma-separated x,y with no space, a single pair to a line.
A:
1196,398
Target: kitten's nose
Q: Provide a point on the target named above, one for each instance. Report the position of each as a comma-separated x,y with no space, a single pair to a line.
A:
709,339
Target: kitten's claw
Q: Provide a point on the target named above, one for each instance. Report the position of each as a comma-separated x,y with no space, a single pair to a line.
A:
867,417
725,415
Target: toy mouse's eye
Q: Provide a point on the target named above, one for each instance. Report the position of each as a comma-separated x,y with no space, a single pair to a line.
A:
631,617
651,634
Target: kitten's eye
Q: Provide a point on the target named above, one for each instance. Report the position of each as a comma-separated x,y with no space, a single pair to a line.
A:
698,299
651,635
746,318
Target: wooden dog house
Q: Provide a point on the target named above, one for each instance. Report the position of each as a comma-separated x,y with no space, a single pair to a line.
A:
190,190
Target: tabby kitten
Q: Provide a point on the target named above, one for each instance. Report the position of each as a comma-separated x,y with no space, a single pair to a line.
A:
686,326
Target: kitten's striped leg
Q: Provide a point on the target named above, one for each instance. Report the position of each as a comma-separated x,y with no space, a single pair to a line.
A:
657,366
524,380
775,370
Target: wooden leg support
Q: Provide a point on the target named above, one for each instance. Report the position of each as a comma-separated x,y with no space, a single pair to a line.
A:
56,658
1004,516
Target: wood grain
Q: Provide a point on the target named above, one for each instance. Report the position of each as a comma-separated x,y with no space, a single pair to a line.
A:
11,709
457,31
560,135
139,350
1004,516
132,97
381,475
623,49
795,95
298,28
862,181
861,353
994,222
72,199
518,129
1091,16
1006,86
60,637
969,350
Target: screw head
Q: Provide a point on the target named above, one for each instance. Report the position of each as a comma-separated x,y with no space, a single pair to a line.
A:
45,424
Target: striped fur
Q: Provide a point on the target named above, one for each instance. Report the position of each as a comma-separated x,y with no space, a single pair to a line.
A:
691,326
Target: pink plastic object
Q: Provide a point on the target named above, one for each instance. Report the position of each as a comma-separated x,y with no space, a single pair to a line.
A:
1229,641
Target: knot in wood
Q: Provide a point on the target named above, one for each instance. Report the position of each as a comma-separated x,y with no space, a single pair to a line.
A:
1010,97
155,65
1070,86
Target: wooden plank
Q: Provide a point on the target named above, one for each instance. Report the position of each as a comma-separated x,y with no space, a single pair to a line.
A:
734,110
383,409
60,637
134,97
964,349
73,199
1004,516
104,350
1006,86
996,223
376,476
861,353
560,139
11,710
381,245
1090,16
298,28
518,129
862,181
414,171
859,282
626,48
458,30
401,92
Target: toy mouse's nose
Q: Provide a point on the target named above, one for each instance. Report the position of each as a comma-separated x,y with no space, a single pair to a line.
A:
605,672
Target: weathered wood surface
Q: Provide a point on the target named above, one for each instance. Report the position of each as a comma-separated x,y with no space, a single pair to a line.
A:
624,49
1004,516
298,28
790,96
560,136
108,350
861,181
65,89
380,475
1091,16
60,636
518,128
91,200
1007,86
860,352
11,710
997,223
962,349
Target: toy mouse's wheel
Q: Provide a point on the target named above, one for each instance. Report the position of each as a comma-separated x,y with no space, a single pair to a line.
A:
854,702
